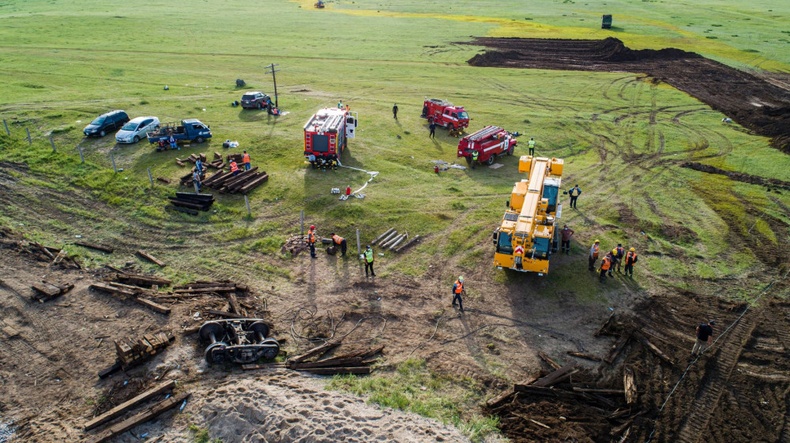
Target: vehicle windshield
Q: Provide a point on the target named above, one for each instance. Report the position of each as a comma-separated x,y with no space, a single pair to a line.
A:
463,115
504,244
129,126
541,247
98,121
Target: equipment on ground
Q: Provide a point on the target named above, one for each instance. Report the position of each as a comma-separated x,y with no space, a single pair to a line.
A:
606,21
238,341
528,234
189,130
489,142
326,136
445,114
319,4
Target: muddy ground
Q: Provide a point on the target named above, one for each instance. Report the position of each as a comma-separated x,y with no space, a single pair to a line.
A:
759,103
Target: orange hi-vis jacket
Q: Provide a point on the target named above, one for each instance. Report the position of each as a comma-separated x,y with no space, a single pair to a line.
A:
594,251
630,258
311,237
245,158
337,239
605,264
234,167
459,287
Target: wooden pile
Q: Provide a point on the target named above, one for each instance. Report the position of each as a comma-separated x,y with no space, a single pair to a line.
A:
46,291
295,245
394,241
353,363
241,183
191,203
192,159
136,287
56,257
229,290
133,352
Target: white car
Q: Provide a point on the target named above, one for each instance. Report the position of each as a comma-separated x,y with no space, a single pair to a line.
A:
136,129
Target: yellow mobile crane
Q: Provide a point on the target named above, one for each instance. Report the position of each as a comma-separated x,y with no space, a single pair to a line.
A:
528,234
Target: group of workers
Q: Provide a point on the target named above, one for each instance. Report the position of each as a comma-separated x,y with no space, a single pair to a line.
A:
339,242
613,259
245,163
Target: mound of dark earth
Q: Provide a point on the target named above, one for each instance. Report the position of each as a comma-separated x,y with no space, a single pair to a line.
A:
751,101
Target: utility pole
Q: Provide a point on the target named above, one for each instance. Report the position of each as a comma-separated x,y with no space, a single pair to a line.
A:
271,69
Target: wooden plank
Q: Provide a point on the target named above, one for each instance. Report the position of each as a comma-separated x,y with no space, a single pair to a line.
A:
499,399
386,233
125,406
112,290
360,370
548,360
102,248
155,306
585,356
234,304
602,329
556,376
617,347
184,210
144,416
45,290
163,180
254,366
629,381
328,363
224,314
254,184
151,258
146,281
214,177
599,391
317,351
203,290
409,244
656,351
106,372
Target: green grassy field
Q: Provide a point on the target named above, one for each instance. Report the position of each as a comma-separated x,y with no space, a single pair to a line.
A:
64,62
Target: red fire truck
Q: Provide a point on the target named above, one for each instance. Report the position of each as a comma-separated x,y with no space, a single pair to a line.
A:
326,136
489,142
443,113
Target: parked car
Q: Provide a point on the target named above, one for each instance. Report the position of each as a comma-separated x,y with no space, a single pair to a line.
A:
136,129
255,100
105,123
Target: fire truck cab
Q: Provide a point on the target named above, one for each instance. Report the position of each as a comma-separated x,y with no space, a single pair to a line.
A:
445,114
326,136
489,142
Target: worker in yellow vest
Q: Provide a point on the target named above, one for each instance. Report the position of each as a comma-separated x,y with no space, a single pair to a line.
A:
368,256
531,144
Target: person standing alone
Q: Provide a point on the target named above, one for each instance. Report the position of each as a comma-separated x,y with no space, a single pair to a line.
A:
566,234
432,127
574,193
311,240
531,145
395,111
704,337
458,290
368,256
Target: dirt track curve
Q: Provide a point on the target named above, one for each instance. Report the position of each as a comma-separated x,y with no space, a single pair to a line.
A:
749,100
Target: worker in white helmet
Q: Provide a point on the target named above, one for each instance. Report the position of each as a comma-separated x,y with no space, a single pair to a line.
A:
458,290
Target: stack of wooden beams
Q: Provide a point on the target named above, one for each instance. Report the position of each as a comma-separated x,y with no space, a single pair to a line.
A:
241,183
191,203
135,351
46,291
217,163
135,287
352,363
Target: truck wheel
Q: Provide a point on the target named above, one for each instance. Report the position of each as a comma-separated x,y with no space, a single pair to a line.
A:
510,150
199,140
490,160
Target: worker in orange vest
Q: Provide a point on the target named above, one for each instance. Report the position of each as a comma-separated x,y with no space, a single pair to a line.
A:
630,259
311,240
341,242
245,161
458,290
606,265
593,257
234,168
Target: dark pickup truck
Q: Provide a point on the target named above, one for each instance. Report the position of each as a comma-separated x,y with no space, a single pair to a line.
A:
190,130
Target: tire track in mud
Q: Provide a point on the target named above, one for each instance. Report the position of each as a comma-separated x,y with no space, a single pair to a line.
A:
719,371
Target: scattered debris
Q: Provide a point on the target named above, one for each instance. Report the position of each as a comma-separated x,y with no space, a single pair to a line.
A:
46,291
102,248
148,414
353,363
295,244
132,293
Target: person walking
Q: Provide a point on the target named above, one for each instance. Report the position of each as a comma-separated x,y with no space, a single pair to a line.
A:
574,193
619,255
311,240
606,265
704,337
368,256
475,155
245,161
340,242
531,145
630,259
593,256
566,234
458,290
395,111
432,127
234,168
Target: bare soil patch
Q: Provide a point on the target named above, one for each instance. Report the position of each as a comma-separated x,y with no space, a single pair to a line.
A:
752,101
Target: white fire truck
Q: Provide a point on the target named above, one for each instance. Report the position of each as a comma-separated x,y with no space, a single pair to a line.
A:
326,136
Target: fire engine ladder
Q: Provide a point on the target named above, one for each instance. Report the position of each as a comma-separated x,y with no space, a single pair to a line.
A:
332,122
484,133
